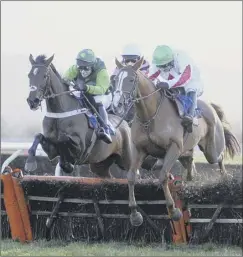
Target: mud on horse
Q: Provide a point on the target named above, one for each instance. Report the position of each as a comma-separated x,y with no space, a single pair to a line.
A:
157,131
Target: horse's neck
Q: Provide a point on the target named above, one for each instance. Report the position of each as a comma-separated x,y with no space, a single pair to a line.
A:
146,108
62,102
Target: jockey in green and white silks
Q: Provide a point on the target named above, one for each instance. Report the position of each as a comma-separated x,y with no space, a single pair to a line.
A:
90,76
174,69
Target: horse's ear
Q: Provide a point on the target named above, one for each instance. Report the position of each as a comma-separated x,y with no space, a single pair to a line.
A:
31,59
49,60
138,64
118,64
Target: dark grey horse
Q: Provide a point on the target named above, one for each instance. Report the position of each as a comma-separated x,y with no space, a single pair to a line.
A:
67,128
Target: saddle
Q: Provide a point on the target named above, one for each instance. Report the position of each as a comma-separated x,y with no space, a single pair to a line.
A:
182,103
87,102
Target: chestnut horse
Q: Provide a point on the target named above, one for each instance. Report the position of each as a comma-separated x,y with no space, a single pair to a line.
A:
157,130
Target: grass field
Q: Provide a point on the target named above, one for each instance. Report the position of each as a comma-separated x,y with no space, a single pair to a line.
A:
237,159
58,248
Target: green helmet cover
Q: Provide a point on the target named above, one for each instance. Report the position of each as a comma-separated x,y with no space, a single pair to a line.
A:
86,57
162,55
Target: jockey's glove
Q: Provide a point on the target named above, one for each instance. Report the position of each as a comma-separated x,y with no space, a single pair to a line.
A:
80,85
66,81
162,85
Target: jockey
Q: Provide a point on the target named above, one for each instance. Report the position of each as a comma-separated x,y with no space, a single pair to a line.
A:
131,54
174,69
90,76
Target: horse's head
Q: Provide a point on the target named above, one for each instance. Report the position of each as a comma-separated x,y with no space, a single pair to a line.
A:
126,80
39,76
127,75
137,88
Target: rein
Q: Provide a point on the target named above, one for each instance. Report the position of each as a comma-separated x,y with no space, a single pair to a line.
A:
138,99
52,95
47,87
146,125
55,95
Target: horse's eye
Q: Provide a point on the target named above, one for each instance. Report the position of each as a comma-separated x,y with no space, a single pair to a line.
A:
131,80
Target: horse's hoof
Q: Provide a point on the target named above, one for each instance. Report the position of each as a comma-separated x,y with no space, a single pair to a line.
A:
226,177
67,168
30,164
136,219
189,178
176,214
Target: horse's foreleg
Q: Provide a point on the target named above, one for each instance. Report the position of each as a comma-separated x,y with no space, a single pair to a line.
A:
170,158
102,169
48,147
66,147
136,218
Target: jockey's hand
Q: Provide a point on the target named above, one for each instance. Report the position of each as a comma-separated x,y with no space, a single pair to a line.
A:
80,85
66,81
162,85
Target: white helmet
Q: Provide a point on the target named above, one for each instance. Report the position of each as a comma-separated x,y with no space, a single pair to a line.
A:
131,50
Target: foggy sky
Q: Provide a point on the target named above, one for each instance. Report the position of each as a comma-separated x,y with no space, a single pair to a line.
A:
210,32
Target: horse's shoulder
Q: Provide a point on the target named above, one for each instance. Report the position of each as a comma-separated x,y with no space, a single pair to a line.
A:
115,120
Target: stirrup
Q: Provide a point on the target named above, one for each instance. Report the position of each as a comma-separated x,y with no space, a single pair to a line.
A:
188,118
103,135
187,123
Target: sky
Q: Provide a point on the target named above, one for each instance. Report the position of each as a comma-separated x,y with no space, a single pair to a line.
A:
210,32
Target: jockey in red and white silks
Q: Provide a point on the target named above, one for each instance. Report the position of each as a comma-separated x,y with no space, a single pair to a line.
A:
173,69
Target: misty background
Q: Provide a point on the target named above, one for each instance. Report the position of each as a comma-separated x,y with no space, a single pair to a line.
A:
210,32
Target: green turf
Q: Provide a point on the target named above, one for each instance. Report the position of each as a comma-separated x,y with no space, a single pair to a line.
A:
58,248
237,159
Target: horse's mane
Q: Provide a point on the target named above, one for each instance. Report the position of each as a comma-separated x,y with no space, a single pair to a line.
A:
41,59
56,72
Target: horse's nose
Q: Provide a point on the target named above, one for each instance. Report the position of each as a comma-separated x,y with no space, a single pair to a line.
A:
30,102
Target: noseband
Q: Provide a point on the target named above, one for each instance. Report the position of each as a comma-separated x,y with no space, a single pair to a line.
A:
45,86
48,92
131,99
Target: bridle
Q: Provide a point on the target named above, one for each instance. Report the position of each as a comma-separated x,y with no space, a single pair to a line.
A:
45,87
131,99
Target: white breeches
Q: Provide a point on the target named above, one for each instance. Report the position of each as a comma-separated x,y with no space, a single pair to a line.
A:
104,99
196,86
195,83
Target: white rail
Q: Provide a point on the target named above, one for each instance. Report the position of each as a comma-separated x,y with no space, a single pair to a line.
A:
17,149
12,147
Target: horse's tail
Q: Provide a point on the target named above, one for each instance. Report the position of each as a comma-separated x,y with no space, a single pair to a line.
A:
232,144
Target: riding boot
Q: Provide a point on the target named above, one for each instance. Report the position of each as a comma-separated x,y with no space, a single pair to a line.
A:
104,132
188,118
